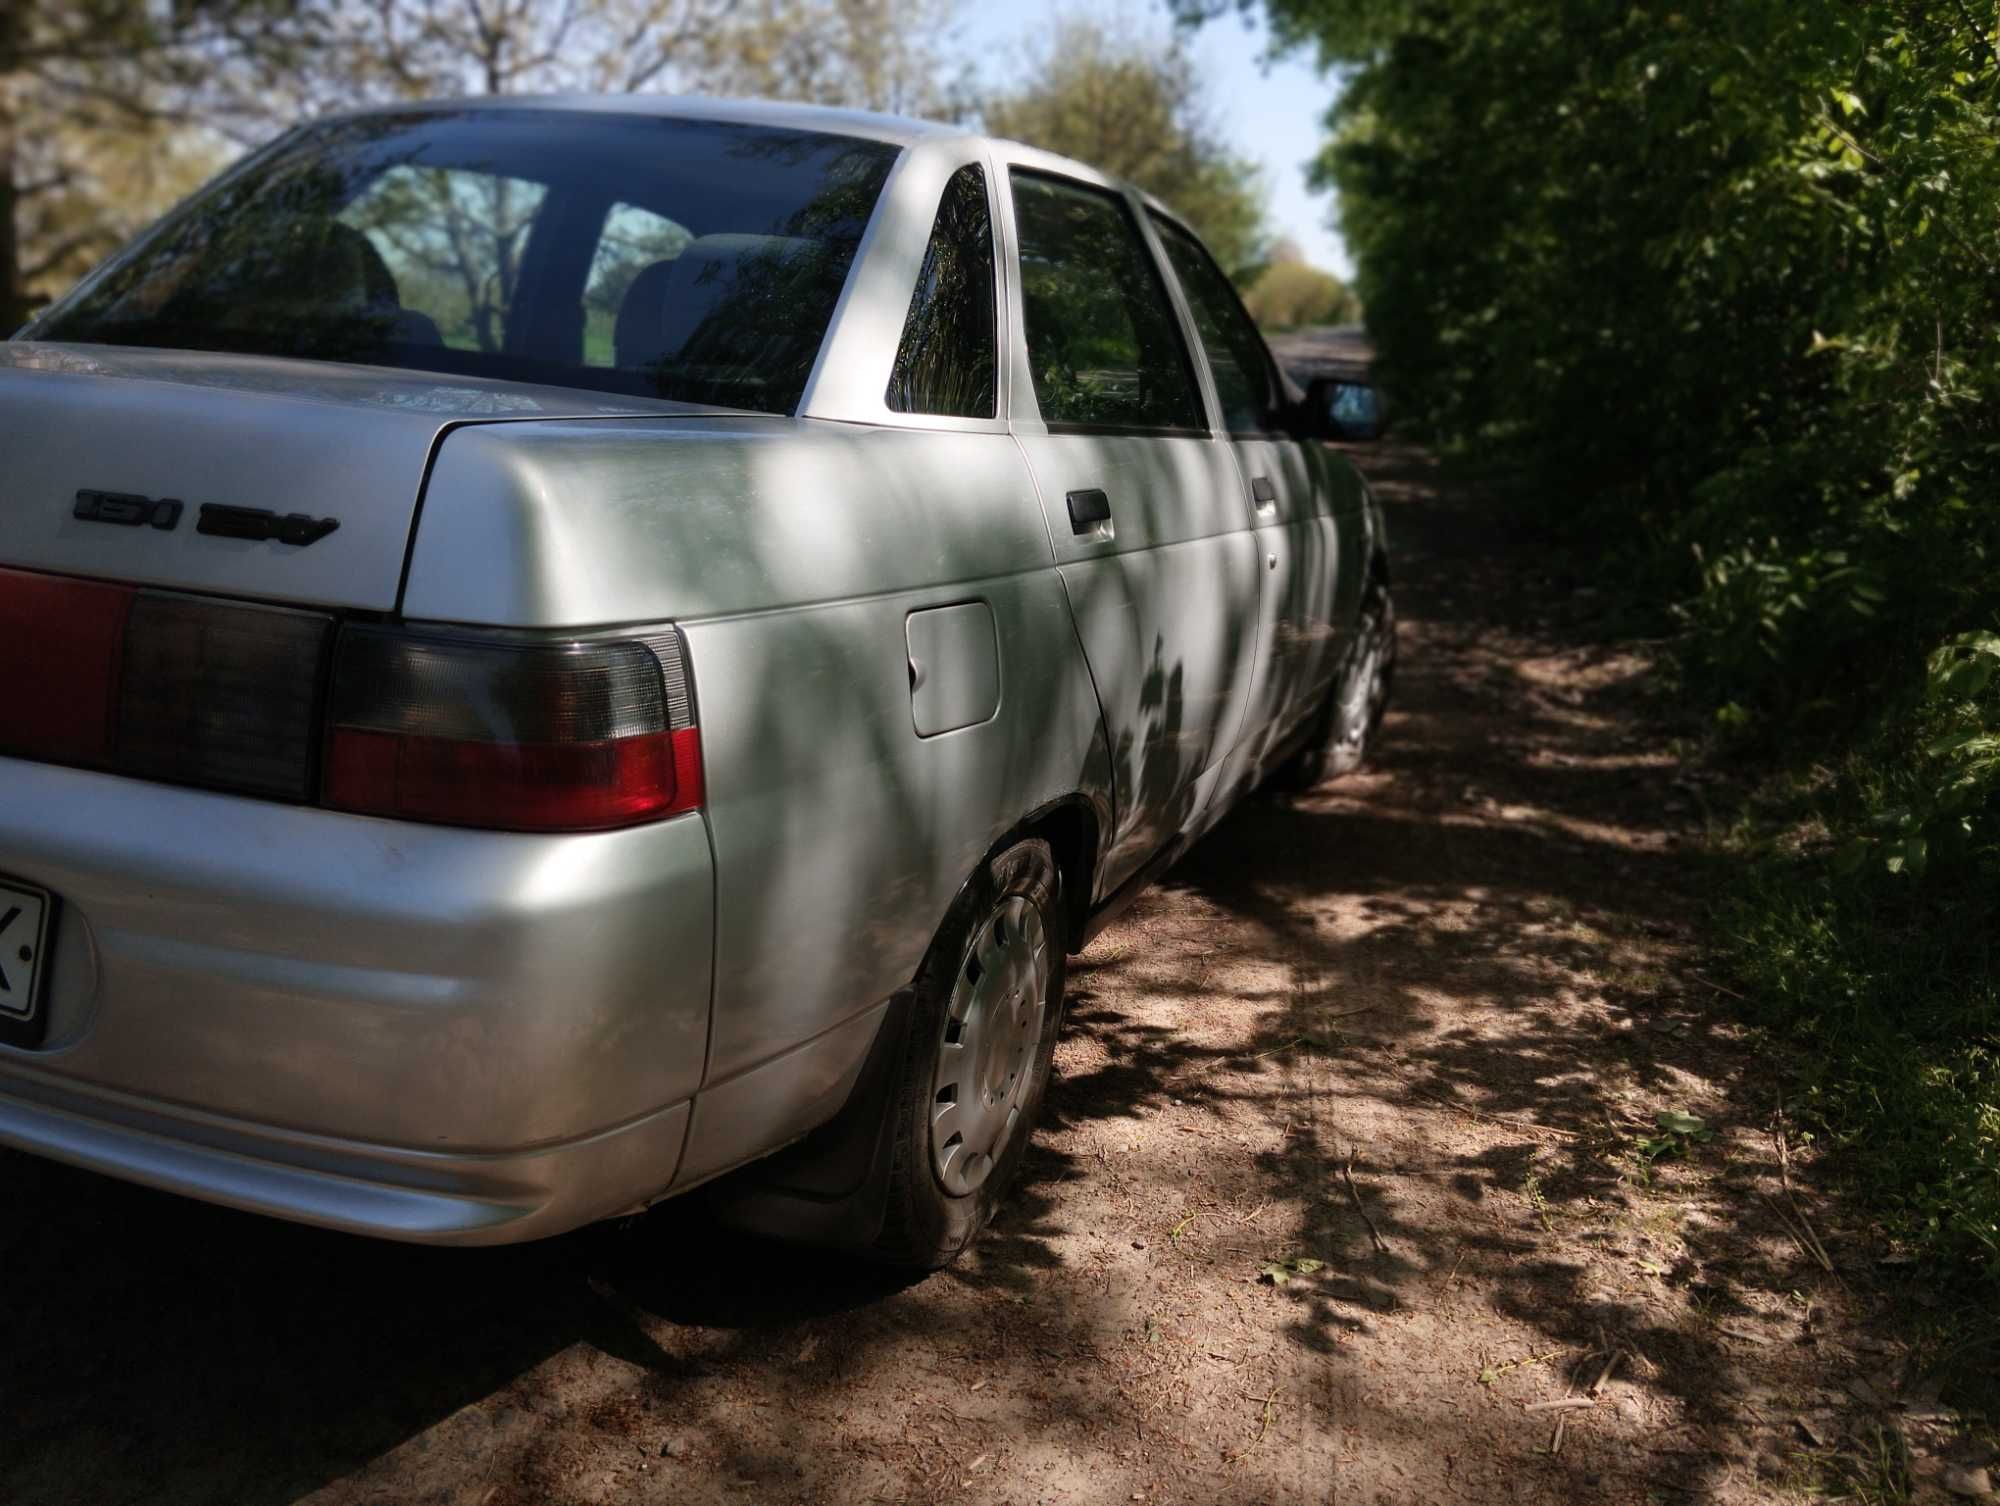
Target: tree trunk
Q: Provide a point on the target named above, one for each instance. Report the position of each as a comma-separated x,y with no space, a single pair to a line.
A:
13,292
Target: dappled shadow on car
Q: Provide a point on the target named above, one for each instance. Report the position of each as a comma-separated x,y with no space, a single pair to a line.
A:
1487,927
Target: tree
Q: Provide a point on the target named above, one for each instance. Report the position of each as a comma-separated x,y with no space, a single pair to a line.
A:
1709,291
89,187
887,55
415,49
1135,109
1288,294
89,92
89,85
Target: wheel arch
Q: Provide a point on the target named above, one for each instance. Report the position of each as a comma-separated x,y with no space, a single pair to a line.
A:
1072,829
830,1186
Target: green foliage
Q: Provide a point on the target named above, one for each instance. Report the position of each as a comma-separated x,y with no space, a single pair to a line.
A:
1292,295
1714,285
1135,110
1709,289
1679,1133
1278,1272
1892,989
1949,776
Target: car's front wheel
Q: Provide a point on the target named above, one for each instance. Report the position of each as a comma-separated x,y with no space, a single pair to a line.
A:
975,1065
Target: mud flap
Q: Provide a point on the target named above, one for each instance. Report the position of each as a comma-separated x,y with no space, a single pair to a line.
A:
831,1188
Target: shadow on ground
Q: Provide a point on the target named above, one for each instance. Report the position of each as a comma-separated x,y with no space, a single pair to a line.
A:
1491,919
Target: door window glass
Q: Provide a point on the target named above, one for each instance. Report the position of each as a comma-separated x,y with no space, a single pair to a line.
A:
945,363
1245,381
1103,345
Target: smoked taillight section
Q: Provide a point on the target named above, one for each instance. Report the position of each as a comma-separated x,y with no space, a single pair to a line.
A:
508,733
221,694
179,688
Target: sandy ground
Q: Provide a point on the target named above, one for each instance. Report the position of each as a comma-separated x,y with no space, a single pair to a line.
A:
1351,1165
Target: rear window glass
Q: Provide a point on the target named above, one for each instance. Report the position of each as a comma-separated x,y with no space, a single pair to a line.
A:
694,260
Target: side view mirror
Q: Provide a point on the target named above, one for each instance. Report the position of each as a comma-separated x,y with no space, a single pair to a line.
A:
1340,408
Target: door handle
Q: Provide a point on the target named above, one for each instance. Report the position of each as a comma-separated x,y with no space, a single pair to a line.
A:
1087,509
1263,492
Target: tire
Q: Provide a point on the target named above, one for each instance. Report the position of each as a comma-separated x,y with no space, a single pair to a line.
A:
1349,726
975,1062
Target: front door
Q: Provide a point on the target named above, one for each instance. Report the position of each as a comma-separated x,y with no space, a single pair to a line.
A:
1285,489
1142,503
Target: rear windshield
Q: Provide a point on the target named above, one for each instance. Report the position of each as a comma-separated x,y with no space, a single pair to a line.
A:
693,260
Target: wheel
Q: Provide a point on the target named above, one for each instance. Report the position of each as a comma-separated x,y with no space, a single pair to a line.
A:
983,1023
1347,728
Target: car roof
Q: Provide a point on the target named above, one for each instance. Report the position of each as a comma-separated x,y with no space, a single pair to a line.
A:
869,125
895,129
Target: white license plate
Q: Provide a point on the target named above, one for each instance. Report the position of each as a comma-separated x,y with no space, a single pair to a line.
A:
24,937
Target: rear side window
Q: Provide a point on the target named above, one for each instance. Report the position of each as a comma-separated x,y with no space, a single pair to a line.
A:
1103,345
1245,381
945,363
687,259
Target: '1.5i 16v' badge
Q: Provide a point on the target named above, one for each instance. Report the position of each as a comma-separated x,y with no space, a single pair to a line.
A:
130,510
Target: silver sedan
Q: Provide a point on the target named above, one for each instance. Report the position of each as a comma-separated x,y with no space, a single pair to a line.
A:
550,650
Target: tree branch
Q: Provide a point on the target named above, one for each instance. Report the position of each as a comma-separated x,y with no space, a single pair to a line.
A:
68,246
1979,33
37,186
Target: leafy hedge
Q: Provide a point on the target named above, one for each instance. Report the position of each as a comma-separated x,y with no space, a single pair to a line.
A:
1709,289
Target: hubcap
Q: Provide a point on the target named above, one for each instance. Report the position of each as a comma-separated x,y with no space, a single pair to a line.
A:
992,1027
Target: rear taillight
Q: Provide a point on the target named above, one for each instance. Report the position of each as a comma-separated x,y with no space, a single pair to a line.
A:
513,734
158,685
495,730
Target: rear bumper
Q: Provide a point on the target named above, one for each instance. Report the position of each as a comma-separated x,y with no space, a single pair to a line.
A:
385,1191
395,1029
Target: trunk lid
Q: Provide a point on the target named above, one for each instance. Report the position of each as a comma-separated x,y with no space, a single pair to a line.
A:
272,436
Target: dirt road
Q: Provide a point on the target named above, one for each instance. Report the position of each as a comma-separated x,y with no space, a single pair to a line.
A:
1464,972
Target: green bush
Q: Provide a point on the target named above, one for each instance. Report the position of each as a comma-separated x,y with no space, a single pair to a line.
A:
1709,290
1292,295
1893,994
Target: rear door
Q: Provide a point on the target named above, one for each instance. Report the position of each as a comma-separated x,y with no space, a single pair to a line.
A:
1142,501
1283,489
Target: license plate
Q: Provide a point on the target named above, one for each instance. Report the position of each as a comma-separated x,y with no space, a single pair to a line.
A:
24,940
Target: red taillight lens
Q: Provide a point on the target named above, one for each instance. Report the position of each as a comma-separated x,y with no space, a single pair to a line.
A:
157,685
60,647
513,735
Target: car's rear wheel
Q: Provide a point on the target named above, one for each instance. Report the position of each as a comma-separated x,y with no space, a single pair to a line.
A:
1348,727
975,1065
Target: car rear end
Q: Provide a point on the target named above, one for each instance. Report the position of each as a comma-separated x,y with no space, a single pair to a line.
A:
385,925
393,926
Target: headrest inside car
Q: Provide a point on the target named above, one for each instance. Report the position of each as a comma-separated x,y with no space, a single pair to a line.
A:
668,304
